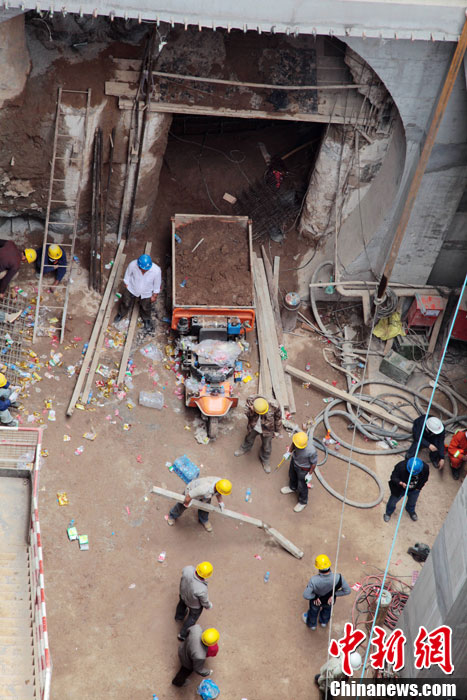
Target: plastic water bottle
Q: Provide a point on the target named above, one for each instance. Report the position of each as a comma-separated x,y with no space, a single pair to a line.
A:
248,495
177,238
203,380
154,399
85,347
266,576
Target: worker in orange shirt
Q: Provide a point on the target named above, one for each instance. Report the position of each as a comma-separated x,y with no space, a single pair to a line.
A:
458,452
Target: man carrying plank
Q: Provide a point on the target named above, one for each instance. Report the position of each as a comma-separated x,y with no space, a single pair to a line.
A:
203,489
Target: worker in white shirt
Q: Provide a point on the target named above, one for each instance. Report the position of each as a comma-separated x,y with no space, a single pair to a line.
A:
143,283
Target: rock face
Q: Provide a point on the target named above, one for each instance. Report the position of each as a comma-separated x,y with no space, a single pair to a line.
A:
15,63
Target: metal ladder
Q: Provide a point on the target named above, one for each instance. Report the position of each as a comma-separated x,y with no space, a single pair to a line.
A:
67,150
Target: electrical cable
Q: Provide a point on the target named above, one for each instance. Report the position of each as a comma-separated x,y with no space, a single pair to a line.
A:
410,476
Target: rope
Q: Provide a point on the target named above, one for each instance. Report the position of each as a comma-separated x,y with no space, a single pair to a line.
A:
410,478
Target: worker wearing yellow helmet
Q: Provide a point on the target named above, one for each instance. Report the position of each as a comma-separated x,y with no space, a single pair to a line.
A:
8,396
193,595
263,418
302,465
55,263
11,258
203,490
195,649
322,591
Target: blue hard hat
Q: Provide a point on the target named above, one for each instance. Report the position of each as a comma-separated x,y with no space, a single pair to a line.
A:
144,262
414,465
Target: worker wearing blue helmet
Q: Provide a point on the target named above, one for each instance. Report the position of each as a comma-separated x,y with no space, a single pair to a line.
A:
142,284
418,471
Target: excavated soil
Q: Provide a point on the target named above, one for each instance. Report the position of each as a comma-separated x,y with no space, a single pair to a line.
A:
220,262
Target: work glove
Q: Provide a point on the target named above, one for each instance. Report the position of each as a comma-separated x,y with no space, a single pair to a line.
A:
13,396
210,605
286,455
221,506
308,478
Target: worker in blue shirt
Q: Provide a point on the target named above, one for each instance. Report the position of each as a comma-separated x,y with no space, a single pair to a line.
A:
8,396
54,262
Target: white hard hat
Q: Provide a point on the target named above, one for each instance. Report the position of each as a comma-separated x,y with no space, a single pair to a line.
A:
355,660
435,425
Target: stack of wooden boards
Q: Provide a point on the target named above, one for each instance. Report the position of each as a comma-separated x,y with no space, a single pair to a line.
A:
272,379
84,383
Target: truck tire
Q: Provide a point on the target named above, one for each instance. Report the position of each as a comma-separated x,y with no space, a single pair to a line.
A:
213,427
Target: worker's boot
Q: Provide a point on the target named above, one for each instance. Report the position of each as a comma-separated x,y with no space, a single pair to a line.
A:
299,507
286,489
241,451
118,318
266,467
455,473
148,326
207,526
170,521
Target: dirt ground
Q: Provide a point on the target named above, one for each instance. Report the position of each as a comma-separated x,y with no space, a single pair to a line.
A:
110,610
221,262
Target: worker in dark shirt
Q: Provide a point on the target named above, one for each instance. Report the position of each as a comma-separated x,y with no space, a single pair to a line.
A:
11,258
398,483
54,263
433,438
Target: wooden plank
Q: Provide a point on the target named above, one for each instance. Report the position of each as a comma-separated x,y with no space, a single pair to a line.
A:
278,537
102,332
290,394
130,332
331,390
275,274
267,318
95,332
335,117
436,329
265,385
272,295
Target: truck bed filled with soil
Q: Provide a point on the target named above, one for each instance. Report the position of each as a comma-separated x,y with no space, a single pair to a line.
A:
221,262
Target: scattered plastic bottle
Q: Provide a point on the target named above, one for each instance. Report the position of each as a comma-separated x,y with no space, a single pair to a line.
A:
183,284
337,446
85,347
177,238
154,399
203,380
79,450
266,576
248,495
308,366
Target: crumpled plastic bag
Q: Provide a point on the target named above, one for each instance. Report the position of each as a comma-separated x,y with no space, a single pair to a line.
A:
389,327
220,352
208,690
152,352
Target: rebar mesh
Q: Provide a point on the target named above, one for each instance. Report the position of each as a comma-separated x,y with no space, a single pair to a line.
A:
17,447
13,361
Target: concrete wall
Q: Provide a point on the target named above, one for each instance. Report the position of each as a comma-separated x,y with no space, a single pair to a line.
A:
413,73
440,594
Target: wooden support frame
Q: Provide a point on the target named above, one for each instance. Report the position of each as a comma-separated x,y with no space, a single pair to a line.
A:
95,331
131,332
277,536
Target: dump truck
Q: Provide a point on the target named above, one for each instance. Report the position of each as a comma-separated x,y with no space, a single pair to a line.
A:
212,307
25,662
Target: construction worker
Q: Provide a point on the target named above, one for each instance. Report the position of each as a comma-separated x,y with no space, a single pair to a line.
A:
8,396
457,451
304,459
265,419
193,652
332,671
202,489
398,482
193,595
54,263
143,283
319,592
433,438
10,260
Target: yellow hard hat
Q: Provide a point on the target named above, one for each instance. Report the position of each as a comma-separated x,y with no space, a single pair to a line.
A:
322,562
224,486
210,637
55,252
300,440
261,406
30,254
205,569
3,380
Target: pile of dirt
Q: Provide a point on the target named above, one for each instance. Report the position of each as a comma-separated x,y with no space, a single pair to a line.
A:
218,272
